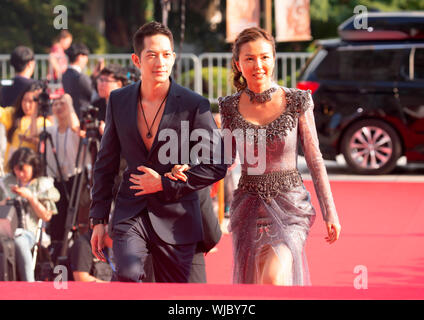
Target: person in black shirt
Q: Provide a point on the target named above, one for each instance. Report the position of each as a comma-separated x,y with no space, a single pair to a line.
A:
85,266
75,82
110,78
22,59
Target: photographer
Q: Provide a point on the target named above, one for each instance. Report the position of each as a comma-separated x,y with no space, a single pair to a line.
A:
110,78
113,77
22,121
36,196
65,135
85,266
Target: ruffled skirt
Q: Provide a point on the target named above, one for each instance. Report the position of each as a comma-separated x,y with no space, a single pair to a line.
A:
254,223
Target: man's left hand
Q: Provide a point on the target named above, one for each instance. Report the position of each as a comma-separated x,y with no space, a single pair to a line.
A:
149,182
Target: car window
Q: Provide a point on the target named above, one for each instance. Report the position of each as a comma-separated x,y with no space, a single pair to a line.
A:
365,65
419,64
328,68
304,72
372,65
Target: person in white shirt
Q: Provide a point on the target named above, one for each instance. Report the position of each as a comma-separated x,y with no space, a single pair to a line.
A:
66,134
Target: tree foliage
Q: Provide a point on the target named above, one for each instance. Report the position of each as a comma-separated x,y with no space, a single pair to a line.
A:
30,22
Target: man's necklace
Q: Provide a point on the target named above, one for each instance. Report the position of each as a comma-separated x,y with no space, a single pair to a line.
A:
260,97
149,132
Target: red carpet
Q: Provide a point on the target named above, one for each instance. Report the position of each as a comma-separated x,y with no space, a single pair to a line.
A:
172,291
382,231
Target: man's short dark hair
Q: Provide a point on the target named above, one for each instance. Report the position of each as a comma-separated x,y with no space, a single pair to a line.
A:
116,71
148,30
75,50
20,57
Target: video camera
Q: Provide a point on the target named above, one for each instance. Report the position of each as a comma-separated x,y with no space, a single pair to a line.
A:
90,121
11,217
43,99
20,208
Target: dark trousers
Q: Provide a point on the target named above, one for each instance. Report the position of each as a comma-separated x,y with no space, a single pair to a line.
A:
57,223
134,239
56,226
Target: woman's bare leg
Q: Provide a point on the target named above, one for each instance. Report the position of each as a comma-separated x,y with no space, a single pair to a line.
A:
272,270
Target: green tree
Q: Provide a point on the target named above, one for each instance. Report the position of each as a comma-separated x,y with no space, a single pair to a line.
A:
30,23
107,25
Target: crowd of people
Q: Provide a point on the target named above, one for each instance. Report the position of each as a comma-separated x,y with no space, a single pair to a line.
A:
149,221
23,124
44,188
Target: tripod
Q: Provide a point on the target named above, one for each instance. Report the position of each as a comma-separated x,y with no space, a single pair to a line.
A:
90,143
45,102
46,137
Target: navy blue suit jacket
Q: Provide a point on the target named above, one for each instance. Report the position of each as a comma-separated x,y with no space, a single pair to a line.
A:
79,87
175,211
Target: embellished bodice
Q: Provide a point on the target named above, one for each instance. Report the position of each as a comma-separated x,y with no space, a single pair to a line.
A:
267,149
274,145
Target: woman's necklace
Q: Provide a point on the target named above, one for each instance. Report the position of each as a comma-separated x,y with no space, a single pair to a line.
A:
149,132
260,97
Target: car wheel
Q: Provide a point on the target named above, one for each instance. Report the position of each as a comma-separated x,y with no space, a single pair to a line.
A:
371,147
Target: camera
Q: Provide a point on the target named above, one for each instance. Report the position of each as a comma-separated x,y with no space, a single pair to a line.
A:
20,208
43,99
90,121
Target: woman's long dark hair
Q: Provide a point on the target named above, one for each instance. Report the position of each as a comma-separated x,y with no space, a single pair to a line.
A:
24,156
19,113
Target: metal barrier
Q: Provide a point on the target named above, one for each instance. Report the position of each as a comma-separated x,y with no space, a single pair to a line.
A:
216,72
208,74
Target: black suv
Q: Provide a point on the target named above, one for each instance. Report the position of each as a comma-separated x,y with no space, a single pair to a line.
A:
368,90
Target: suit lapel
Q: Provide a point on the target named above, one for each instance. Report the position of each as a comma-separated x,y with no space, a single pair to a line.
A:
171,109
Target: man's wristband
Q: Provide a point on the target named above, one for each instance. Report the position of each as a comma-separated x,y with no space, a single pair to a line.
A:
95,221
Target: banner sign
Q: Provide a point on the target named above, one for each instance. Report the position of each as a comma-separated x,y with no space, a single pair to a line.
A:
241,15
292,20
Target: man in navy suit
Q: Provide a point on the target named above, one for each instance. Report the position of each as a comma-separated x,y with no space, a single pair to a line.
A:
154,214
77,84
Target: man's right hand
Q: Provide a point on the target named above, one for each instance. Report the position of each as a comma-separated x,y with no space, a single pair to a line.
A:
97,241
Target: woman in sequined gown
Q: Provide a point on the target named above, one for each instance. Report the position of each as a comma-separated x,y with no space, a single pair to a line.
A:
271,212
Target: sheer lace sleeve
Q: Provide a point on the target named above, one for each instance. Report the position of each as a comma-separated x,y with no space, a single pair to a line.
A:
314,160
227,128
